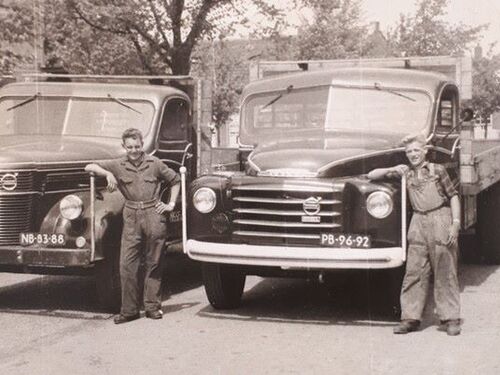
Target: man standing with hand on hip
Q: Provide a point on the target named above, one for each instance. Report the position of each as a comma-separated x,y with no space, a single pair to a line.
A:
138,177
432,239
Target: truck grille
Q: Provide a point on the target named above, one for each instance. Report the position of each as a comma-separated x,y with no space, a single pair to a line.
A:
15,217
277,213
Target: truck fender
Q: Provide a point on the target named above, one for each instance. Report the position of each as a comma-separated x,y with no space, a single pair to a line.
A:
108,221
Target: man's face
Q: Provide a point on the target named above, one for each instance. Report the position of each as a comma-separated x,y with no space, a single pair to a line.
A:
415,152
133,147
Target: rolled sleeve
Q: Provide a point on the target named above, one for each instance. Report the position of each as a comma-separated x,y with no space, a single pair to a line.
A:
109,165
168,175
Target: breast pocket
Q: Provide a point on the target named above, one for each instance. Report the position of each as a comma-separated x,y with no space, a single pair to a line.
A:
150,179
125,180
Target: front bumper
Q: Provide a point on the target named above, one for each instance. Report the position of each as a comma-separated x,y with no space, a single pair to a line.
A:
296,257
44,257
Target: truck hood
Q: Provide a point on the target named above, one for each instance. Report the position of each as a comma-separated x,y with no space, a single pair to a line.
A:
36,150
339,156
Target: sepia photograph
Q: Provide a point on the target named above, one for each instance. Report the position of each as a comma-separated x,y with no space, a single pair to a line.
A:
249,187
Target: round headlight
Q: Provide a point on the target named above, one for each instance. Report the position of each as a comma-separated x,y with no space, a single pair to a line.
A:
71,207
204,200
379,204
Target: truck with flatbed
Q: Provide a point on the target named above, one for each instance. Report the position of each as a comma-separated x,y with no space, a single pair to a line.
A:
295,199
55,218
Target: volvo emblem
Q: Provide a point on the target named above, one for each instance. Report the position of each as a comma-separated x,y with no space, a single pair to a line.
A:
8,181
311,206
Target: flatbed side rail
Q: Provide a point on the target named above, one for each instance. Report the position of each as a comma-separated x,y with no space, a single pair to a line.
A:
481,170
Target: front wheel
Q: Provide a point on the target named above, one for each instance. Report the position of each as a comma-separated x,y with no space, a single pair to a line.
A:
223,285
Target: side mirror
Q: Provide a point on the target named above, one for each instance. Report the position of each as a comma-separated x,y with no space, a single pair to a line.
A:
466,115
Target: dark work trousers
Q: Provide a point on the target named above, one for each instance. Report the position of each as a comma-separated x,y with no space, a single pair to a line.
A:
144,233
427,257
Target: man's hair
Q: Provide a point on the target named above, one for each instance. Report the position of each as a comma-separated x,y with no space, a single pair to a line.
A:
419,138
132,133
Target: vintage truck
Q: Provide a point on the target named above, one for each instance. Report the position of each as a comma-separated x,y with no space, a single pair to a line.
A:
295,200
51,126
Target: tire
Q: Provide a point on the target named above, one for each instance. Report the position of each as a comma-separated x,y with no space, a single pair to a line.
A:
107,281
488,218
223,285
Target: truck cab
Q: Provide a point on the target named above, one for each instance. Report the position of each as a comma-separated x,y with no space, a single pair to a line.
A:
50,128
300,203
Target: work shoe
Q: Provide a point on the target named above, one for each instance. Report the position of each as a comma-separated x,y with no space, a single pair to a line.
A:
451,327
406,326
155,314
119,319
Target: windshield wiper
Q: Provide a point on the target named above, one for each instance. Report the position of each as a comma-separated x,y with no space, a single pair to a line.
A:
123,104
274,100
26,101
378,86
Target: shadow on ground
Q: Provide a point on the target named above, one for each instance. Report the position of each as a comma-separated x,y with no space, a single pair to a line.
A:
74,296
354,298
360,298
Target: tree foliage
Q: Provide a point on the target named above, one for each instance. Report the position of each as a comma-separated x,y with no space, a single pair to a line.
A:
164,33
486,85
335,32
426,33
151,36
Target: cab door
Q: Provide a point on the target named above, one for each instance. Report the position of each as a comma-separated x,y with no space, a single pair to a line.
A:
175,149
445,143
175,134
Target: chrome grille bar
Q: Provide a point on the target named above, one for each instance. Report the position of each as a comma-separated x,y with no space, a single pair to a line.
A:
260,211
282,201
281,224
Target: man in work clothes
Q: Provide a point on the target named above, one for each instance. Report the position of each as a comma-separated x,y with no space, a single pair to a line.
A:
138,177
432,239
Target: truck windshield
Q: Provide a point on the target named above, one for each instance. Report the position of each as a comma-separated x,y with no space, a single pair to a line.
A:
89,117
316,111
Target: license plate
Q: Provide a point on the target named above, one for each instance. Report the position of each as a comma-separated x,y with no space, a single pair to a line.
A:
352,241
48,239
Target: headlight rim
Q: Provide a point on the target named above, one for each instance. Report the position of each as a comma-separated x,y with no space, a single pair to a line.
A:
79,209
213,196
388,200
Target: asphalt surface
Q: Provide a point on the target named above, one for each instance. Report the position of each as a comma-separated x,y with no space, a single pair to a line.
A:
52,325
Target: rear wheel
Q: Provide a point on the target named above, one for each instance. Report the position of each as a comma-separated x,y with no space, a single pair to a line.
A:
488,217
107,279
223,285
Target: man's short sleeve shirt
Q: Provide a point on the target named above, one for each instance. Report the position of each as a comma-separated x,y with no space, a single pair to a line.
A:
142,182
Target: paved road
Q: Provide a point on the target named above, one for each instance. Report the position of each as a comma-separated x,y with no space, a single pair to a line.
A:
51,325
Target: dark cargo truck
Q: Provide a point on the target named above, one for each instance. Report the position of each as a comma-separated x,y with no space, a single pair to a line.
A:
298,202
50,128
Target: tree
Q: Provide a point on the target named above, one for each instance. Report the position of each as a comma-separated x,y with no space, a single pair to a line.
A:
486,85
164,33
426,33
336,31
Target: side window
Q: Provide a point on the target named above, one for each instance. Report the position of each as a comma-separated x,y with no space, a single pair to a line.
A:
446,116
174,124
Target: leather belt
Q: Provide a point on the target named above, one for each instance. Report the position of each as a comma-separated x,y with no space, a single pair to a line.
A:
140,205
444,204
